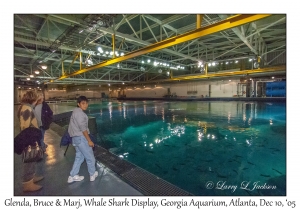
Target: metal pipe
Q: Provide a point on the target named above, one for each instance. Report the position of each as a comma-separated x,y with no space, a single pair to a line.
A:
199,20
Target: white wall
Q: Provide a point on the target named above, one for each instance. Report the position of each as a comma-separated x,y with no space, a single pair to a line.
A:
198,89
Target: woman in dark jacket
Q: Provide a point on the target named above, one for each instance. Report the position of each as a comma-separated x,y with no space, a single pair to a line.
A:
27,119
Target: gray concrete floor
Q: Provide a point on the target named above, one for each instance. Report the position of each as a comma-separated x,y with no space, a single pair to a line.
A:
55,167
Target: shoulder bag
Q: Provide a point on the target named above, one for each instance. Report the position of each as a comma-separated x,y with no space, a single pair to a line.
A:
32,153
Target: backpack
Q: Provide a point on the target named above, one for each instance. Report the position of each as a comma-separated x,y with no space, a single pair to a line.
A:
47,116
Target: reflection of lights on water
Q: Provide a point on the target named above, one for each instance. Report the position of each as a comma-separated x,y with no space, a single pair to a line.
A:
249,121
157,141
200,135
151,145
249,142
234,139
124,111
110,109
213,136
244,117
121,156
271,122
178,130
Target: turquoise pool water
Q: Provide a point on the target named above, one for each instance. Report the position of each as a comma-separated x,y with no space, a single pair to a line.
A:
206,148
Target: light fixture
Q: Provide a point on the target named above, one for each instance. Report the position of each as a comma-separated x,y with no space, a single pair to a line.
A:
236,61
44,67
122,53
250,59
37,72
143,62
108,84
148,61
209,64
31,75
100,50
107,52
81,31
159,71
272,77
213,63
226,62
123,83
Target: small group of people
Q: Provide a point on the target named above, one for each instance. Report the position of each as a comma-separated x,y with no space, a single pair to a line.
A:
35,112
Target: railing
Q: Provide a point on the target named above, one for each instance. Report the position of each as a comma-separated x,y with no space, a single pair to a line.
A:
69,101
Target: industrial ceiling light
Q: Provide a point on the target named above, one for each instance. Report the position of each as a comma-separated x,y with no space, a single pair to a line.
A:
213,63
159,71
31,75
37,72
122,53
148,61
100,22
209,64
88,62
100,50
256,65
28,78
44,67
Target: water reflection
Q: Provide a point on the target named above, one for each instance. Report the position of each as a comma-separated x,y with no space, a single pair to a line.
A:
206,141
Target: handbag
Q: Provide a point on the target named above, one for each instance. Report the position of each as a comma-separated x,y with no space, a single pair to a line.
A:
32,153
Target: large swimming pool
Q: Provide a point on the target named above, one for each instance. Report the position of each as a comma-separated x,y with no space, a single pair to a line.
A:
205,148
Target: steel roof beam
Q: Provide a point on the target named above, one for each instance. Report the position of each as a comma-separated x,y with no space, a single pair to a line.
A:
217,27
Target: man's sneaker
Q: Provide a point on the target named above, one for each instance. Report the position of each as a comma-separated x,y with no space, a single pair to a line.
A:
93,177
75,178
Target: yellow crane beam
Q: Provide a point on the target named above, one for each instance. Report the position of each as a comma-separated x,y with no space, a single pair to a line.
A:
232,73
228,23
